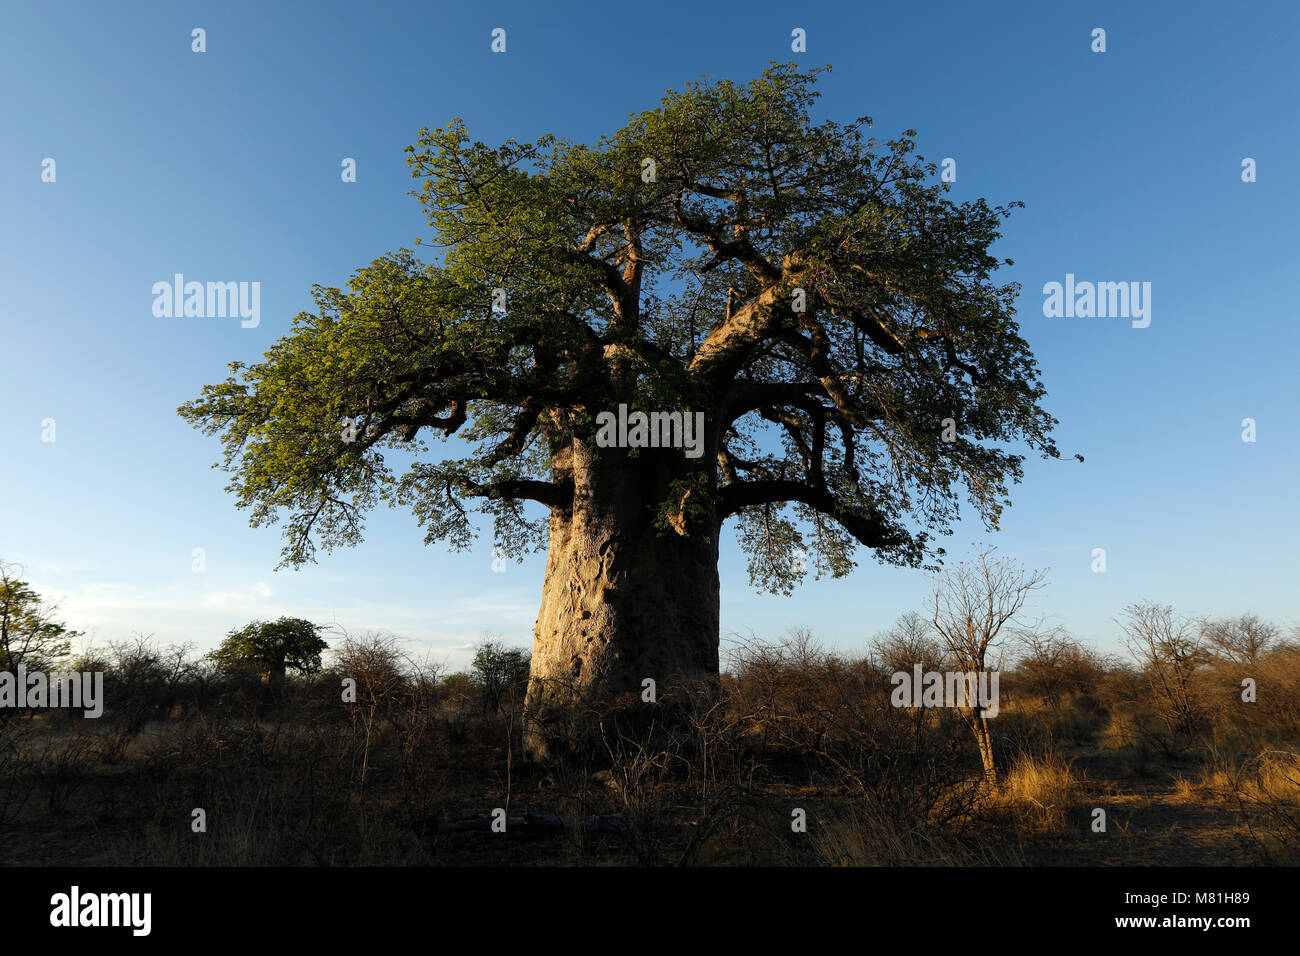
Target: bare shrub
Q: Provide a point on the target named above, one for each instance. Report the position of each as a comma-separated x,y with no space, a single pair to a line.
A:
376,665
1170,651
1052,665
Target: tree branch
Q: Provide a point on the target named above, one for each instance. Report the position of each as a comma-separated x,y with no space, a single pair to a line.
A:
870,529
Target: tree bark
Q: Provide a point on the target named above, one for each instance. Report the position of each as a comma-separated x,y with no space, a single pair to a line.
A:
984,739
623,600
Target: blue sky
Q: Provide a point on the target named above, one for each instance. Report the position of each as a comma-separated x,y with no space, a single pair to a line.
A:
225,166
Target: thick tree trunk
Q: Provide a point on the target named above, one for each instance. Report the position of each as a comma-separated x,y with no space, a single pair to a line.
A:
623,600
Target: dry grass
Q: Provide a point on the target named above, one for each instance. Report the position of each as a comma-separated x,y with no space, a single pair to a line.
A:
1040,791
1268,791
863,835
299,778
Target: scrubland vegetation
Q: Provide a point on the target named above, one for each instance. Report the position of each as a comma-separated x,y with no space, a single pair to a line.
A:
287,772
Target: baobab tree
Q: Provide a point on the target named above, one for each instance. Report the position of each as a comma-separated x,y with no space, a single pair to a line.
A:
807,290
272,648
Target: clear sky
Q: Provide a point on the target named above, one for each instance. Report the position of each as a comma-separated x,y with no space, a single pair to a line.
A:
225,166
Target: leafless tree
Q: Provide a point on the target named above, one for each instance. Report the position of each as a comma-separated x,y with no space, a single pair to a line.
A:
910,640
969,607
1052,663
1241,640
1169,649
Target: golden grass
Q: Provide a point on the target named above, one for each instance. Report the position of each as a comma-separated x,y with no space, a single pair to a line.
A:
863,836
1273,776
1268,791
1039,790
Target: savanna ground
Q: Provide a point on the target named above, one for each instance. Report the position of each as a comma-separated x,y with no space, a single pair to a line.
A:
287,773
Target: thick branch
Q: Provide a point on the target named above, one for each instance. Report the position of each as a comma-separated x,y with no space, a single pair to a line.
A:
725,349
739,248
557,496
870,529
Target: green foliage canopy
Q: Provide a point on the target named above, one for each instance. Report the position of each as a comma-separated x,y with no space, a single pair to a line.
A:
670,285
273,647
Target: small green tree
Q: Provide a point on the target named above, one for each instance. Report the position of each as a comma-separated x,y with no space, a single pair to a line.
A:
271,648
28,632
496,669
